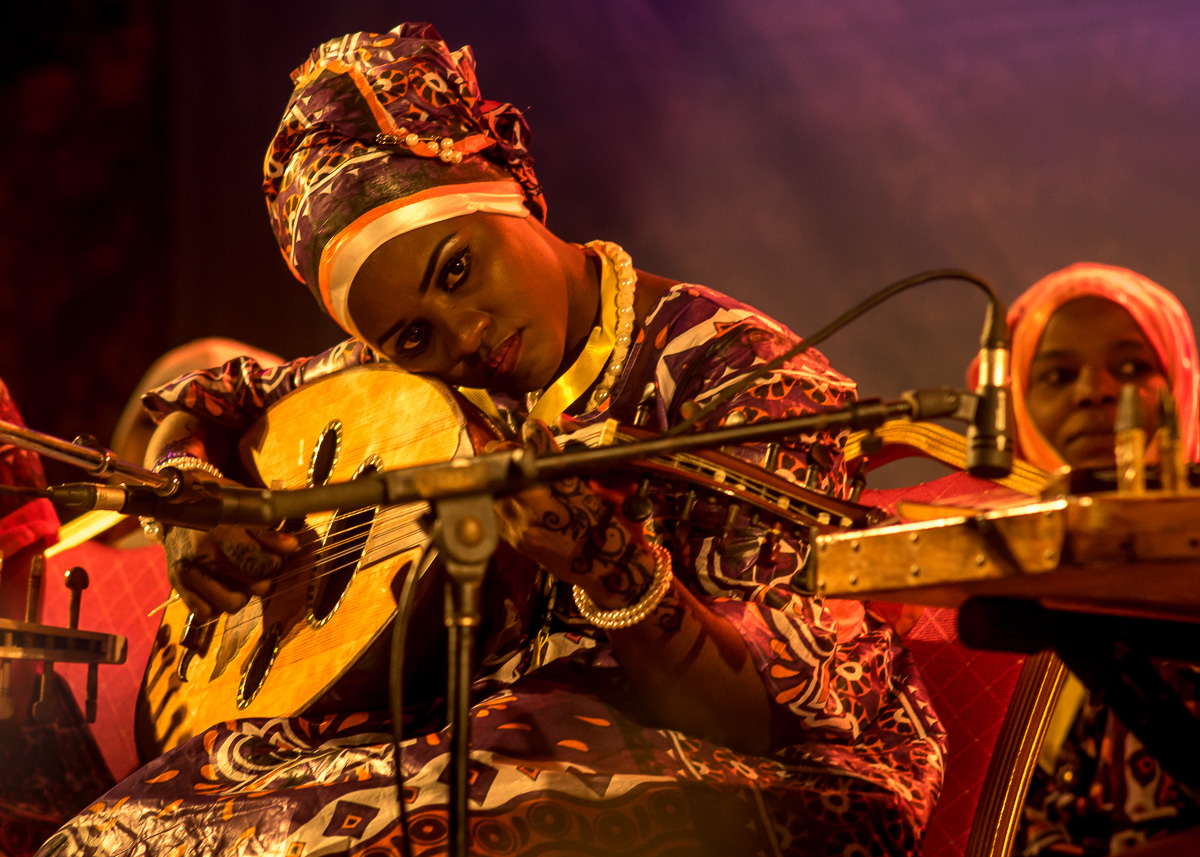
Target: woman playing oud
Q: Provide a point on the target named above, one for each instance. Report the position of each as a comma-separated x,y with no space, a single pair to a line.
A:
678,696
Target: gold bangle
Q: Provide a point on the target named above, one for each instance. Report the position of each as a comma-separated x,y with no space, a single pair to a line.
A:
188,462
154,530
626,617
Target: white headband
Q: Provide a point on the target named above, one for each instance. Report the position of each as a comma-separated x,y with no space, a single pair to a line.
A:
345,254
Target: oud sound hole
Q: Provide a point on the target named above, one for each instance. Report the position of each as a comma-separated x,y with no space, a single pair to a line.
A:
325,454
259,666
340,556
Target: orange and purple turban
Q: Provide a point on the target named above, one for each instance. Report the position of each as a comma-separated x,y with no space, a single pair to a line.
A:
1158,313
385,133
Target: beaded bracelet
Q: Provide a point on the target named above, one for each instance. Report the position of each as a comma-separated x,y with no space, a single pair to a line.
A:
187,462
154,530
626,617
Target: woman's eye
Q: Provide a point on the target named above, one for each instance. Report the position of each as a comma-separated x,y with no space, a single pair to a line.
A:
1056,376
412,340
1133,369
456,270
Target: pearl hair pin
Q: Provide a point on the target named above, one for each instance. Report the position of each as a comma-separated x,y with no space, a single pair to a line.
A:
430,147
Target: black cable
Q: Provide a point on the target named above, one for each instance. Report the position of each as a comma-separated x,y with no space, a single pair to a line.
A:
24,490
837,324
404,603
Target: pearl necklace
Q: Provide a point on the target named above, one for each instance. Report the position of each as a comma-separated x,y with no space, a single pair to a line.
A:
626,286
622,267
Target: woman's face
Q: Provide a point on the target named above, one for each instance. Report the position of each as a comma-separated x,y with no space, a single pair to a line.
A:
1090,348
481,300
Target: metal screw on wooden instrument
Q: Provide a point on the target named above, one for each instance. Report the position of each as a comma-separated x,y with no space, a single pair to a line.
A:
871,443
771,542
727,527
857,485
689,505
1130,442
637,506
642,414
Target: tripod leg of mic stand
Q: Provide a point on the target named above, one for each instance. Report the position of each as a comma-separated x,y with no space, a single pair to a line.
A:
461,645
466,534
462,618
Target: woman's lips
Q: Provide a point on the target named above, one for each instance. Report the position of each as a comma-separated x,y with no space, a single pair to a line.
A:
1093,437
1090,449
503,361
1089,431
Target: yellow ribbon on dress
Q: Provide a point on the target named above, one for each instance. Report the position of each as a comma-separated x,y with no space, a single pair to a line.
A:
480,399
581,374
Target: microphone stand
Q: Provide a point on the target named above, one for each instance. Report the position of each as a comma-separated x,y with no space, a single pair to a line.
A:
466,535
98,462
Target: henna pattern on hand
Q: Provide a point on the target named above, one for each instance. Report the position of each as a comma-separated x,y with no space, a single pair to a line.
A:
669,614
581,509
182,562
206,568
606,547
252,562
627,576
182,445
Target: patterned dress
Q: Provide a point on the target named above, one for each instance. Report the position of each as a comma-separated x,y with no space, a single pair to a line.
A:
562,763
1106,793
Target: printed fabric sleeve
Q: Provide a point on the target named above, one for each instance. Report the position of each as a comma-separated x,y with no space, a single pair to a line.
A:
235,394
831,672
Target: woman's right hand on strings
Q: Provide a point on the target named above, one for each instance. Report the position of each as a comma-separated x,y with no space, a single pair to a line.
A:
217,571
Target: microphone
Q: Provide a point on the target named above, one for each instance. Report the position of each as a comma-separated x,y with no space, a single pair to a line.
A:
187,501
192,503
989,436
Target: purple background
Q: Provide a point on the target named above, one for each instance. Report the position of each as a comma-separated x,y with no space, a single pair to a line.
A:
798,155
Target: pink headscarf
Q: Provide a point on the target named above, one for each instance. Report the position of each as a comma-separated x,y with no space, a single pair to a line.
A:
1163,321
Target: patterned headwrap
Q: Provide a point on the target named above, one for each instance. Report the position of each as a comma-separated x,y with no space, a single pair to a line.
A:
1158,313
385,133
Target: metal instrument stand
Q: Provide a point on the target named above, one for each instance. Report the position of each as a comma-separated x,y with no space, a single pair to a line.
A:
466,534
